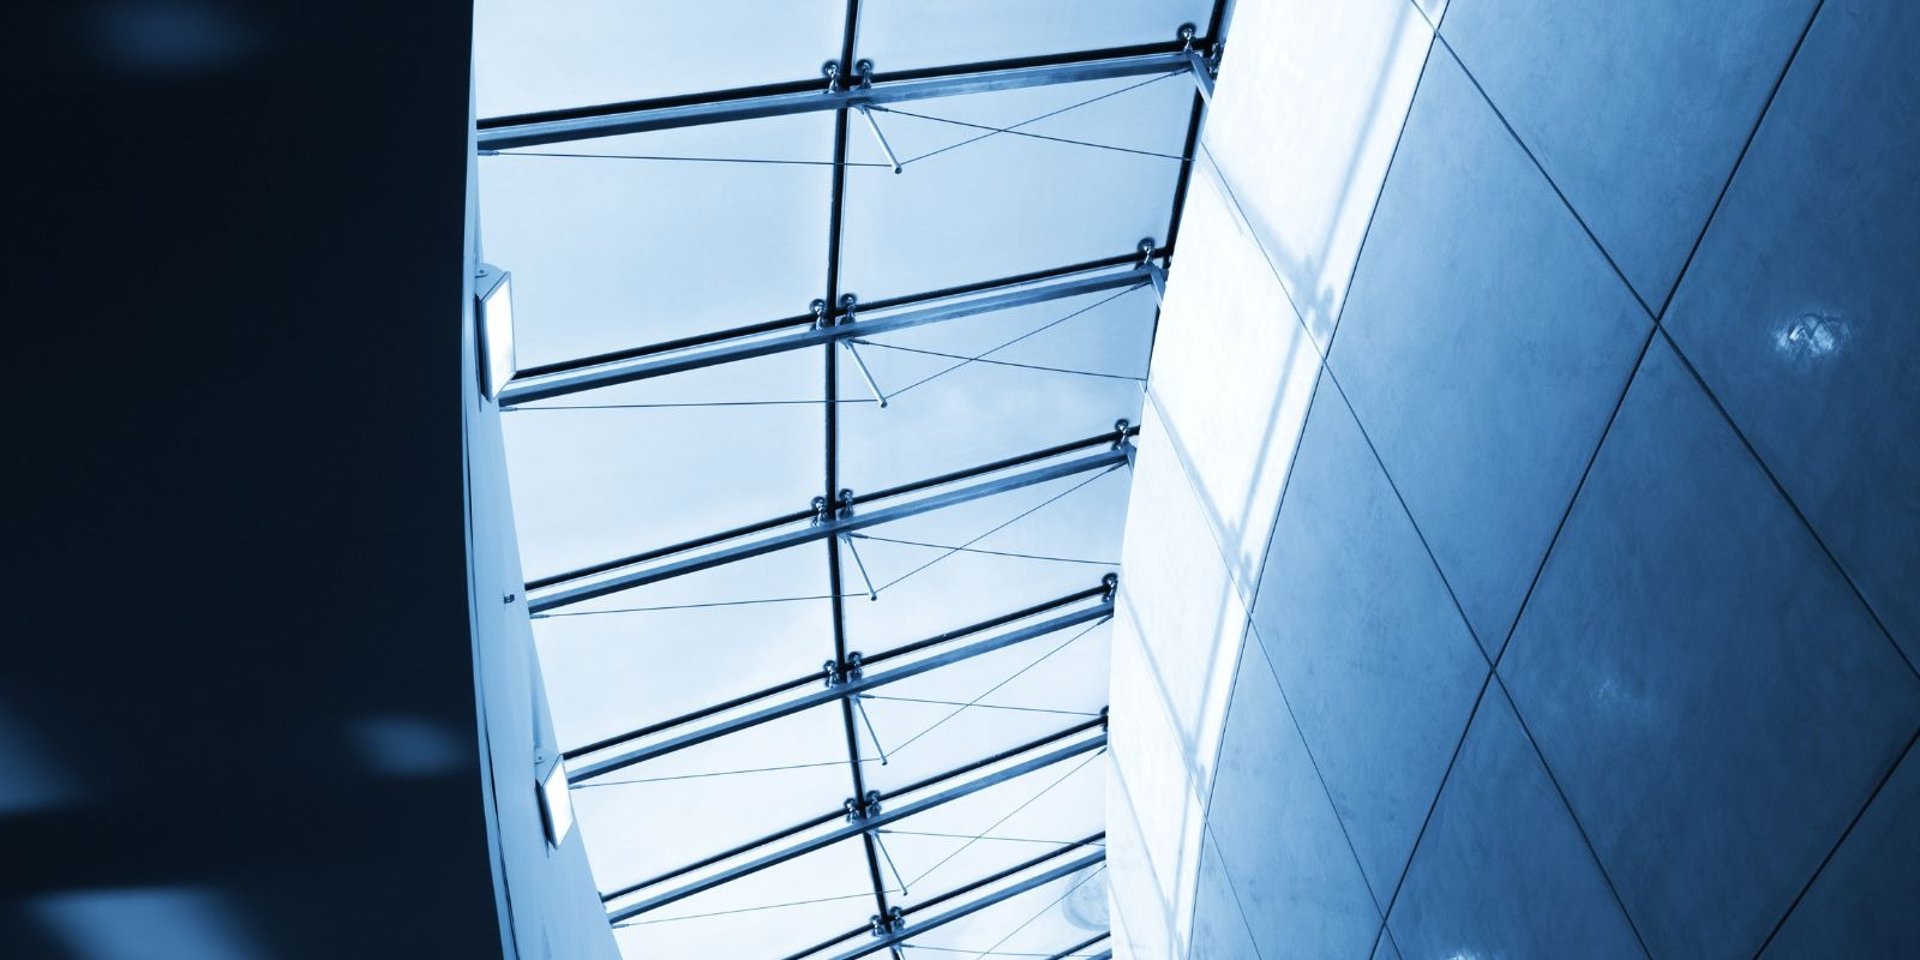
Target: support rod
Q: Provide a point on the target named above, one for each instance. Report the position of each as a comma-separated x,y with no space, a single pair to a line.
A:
836,693
980,763
811,96
972,907
563,379
859,827
885,147
819,531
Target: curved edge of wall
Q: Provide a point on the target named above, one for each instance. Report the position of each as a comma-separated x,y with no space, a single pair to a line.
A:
544,894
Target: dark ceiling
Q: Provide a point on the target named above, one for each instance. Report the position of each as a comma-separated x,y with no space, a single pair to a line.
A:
236,698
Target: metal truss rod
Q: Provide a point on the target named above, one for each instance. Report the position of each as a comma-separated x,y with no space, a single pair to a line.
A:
861,826
834,526
832,815
964,889
838,692
558,380
971,907
1082,945
1102,955
873,659
814,95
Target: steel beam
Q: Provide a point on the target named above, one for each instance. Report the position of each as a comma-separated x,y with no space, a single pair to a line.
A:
1082,945
559,383
837,692
857,828
971,766
971,907
815,95
870,660
827,529
969,887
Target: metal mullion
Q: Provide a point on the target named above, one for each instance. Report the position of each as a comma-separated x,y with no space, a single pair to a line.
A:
836,223
840,691
806,96
859,826
643,363
821,531
963,890
832,815
708,540
881,656
1003,464
1082,945
973,907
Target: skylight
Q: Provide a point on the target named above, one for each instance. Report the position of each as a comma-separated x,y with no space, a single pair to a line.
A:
819,440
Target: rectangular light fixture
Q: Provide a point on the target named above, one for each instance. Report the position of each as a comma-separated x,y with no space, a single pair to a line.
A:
556,807
493,310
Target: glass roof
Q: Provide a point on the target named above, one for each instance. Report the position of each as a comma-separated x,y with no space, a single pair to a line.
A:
724,321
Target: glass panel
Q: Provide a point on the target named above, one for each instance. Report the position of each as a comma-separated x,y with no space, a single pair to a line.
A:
599,483
1000,826
905,34
778,911
1034,923
662,651
609,254
541,56
638,817
945,413
1009,203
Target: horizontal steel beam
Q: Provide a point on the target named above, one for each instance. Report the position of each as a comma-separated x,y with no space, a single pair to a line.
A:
874,496
966,888
952,773
835,693
919,927
1082,945
870,660
560,383
856,828
819,531
814,95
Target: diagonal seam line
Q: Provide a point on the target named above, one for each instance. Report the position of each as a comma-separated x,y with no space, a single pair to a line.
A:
990,691
1103,301
1034,136
1051,113
1605,254
1314,762
976,838
1766,107
1030,511
1781,924
999,363
1781,489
